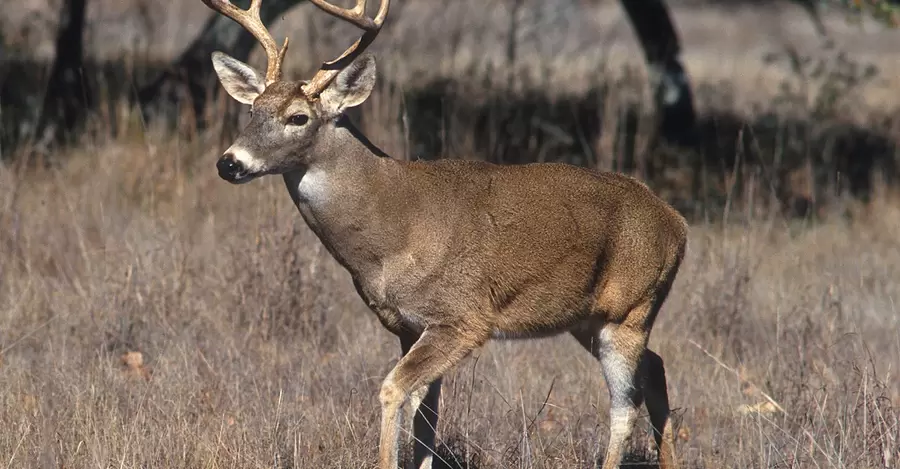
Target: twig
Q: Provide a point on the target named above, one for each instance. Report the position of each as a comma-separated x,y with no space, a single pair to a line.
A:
736,373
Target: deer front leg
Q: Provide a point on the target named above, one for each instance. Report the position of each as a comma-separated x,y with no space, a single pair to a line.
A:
424,405
438,350
423,415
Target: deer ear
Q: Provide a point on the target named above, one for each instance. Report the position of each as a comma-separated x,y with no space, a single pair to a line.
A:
243,82
351,87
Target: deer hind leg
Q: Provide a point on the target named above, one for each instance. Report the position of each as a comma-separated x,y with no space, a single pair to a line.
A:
657,400
437,351
619,349
634,374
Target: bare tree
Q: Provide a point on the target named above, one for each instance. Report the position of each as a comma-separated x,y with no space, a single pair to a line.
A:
67,96
190,76
192,72
671,87
659,40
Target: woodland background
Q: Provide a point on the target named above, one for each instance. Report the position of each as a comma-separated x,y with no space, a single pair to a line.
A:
152,315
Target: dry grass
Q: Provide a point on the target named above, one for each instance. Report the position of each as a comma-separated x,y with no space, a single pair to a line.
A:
564,47
254,350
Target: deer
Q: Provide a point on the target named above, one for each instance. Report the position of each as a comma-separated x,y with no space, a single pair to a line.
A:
452,253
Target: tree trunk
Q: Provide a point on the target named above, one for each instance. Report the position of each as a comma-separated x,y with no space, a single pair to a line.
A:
192,73
67,96
673,97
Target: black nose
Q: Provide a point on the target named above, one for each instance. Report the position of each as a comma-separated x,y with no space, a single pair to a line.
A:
229,168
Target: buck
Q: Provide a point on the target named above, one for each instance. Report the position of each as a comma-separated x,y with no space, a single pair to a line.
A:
451,253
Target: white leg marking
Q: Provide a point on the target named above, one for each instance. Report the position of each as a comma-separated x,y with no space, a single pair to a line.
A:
620,422
620,375
619,372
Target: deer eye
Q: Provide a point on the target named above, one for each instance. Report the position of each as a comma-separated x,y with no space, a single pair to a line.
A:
298,119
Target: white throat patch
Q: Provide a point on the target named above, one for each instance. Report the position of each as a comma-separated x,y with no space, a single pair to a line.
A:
312,187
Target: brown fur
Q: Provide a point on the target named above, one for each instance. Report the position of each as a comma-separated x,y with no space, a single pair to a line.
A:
451,253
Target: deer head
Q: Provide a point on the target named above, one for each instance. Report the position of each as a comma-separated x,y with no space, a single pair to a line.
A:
290,120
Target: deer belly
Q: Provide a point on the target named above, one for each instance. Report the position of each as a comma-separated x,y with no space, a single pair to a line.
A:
529,322
412,321
500,334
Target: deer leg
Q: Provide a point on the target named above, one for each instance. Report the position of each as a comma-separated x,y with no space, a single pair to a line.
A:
657,400
423,418
437,351
416,398
619,349
424,402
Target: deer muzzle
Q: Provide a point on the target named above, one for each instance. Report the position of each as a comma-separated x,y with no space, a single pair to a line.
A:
230,169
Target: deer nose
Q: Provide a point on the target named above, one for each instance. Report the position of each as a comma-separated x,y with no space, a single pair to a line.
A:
229,167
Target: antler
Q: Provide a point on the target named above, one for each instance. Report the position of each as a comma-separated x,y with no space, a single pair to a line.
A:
356,16
251,21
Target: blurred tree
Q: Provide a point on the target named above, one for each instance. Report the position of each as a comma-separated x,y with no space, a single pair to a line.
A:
67,96
885,11
192,72
675,116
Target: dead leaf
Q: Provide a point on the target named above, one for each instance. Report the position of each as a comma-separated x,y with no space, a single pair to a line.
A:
548,423
549,426
761,408
30,403
133,360
684,434
134,365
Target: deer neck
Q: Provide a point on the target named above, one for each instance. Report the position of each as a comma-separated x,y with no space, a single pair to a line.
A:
344,194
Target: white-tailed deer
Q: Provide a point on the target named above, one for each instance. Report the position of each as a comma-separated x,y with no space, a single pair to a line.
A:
451,253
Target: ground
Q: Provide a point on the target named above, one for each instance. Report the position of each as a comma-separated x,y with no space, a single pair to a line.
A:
779,339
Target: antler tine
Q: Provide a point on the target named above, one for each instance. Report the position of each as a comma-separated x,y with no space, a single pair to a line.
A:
356,16
252,22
